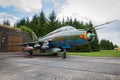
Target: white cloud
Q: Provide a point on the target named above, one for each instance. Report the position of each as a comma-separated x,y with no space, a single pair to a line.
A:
98,11
23,5
58,3
11,18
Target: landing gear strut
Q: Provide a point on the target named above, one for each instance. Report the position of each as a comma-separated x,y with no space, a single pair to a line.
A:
64,54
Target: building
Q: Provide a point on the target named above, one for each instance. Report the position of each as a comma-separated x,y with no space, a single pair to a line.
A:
12,36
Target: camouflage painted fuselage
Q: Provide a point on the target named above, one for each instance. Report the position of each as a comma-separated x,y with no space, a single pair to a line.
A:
67,39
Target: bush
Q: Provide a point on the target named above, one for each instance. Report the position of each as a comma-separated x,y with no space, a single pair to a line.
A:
26,29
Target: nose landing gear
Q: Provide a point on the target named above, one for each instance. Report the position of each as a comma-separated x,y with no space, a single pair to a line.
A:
64,54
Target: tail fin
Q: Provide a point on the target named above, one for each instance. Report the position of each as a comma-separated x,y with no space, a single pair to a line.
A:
34,36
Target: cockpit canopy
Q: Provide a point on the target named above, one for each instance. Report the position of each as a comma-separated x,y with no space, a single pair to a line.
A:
65,28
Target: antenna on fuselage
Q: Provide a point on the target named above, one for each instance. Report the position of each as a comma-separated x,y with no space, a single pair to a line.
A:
97,27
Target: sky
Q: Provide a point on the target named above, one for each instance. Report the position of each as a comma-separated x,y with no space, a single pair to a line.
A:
97,11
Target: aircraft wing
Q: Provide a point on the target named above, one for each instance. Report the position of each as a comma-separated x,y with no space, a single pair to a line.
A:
25,44
32,44
35,43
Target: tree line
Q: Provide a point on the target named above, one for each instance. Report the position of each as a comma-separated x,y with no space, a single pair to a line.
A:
107,45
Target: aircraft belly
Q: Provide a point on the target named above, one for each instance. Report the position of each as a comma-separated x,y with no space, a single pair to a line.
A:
53,50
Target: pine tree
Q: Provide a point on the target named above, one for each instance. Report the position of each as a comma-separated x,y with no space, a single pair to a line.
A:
42,24
106,45
22,22
27,22
6,22
34,24
63,22
52,22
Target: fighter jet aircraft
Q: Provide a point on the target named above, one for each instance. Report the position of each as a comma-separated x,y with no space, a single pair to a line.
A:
61,39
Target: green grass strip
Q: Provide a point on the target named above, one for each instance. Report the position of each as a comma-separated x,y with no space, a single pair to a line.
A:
102,53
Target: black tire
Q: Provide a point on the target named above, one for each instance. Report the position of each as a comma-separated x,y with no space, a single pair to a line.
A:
55,54
30,53
63,55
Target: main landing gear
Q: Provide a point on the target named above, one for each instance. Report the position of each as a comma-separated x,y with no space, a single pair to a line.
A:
30,52
64,54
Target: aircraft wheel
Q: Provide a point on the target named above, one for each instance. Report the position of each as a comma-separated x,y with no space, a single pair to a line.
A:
30,53
64,55
55,54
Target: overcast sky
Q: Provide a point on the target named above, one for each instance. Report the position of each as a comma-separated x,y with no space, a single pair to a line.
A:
98,11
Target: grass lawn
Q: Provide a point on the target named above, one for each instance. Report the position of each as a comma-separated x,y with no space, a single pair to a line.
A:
102,53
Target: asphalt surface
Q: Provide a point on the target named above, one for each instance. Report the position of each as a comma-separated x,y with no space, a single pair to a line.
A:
20,66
